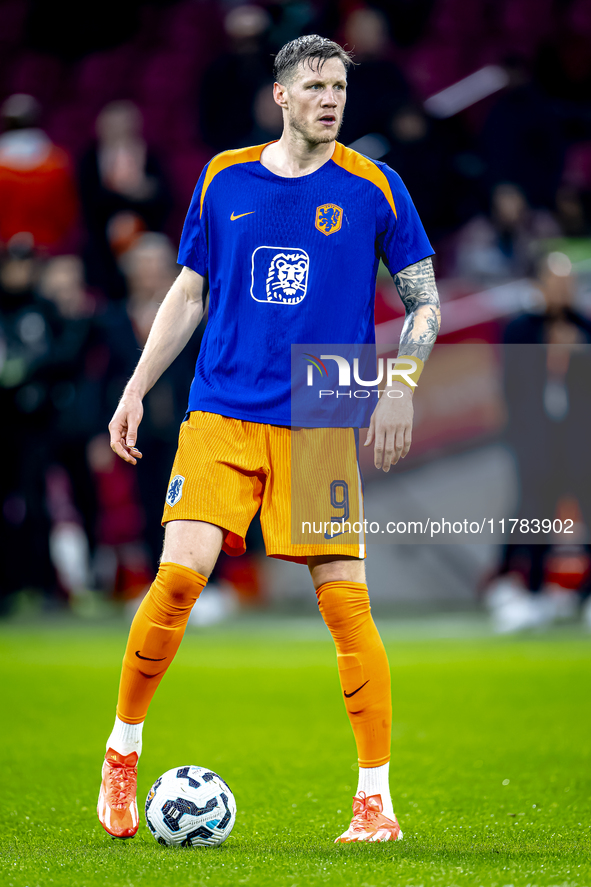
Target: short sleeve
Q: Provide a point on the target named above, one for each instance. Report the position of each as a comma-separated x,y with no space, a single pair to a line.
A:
193,245
402,240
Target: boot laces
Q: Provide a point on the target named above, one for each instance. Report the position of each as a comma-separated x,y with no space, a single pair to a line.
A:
368,813
121,784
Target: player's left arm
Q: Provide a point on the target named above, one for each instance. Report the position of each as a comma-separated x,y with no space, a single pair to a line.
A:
417,288
391,423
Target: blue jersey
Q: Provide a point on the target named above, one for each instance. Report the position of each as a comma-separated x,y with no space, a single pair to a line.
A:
289,261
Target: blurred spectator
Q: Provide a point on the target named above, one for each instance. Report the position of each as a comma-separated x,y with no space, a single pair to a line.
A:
500,247
231,83
267,118
547,392
573,200
37,191
150,269
572,212
422,156
27,331
78,368
62,282
522,138
558,322
119,176
377,88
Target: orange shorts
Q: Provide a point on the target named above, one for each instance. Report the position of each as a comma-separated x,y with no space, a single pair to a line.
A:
225,469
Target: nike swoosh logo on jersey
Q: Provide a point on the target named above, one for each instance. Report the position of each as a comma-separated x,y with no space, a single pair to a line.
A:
233,217
137,653
348,695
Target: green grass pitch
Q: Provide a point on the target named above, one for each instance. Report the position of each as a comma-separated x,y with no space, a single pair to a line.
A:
490,764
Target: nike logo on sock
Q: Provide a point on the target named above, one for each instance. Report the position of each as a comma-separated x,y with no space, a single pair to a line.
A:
348,695
137,653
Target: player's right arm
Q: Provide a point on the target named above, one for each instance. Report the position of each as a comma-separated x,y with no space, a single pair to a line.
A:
176,321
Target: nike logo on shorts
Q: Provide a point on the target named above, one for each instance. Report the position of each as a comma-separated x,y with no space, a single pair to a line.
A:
233,217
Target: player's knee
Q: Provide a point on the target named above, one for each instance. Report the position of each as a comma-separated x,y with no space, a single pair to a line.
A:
343,605
177,585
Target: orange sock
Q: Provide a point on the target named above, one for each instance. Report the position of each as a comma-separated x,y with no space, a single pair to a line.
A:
155,635
363,668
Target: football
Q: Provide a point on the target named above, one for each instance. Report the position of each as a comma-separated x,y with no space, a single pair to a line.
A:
190,807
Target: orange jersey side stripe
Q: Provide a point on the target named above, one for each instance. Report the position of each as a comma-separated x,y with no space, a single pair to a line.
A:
360,166
229,158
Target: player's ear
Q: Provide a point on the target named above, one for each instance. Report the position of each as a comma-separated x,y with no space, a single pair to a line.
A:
280,94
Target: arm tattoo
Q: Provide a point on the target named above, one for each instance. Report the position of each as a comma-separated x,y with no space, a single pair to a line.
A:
417,289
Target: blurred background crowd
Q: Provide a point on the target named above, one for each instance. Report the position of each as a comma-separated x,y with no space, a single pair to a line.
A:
108,114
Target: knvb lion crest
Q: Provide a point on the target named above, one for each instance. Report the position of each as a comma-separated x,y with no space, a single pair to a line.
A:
175,490
279,276
329,218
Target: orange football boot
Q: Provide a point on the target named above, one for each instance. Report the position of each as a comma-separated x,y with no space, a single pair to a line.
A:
369,823
117,804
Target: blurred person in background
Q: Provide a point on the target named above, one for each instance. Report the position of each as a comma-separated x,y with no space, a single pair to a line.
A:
573,200
95,506
77,372
522,140
422,155
377,89
549,411
28,331
498,247
267,122
52,392
239,72
37,188
123,190
572,211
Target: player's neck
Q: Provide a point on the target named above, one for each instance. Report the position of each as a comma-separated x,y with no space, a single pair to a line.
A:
293,156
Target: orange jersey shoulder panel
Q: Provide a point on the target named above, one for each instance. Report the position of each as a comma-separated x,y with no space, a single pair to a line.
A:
229,158
360,166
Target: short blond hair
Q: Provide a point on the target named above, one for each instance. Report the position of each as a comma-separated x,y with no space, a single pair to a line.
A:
306,49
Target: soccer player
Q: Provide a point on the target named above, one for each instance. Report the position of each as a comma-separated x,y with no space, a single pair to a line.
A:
287,238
